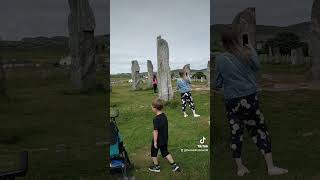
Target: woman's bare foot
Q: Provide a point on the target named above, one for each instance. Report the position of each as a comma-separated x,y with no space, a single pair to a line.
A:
242,171
277,171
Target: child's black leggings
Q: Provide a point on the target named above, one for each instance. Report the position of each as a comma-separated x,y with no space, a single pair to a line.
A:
187,98
244,113
155,86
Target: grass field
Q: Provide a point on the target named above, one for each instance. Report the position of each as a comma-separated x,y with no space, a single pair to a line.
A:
135,124
63,133
293,121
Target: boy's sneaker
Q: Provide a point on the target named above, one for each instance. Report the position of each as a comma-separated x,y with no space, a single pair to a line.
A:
154,168
185,115
175,167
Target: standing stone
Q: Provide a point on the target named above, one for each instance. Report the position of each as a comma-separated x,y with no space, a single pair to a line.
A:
82,45
2,79
164,76
288,60
135,75
186,70
270,51
245,25
300,55
297,56
150,73
315,40
270,55
293,56
283,59
276,55
208,73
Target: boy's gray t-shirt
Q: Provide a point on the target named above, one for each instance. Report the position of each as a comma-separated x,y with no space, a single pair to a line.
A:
236,77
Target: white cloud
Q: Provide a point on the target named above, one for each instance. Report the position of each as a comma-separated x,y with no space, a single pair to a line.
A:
135,26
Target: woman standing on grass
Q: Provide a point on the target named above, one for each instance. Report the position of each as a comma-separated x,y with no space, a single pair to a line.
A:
236,73
154,83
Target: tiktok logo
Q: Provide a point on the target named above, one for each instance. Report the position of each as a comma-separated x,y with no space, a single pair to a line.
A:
202,140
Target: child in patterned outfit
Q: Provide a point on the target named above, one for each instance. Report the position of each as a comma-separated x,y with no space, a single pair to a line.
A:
184,86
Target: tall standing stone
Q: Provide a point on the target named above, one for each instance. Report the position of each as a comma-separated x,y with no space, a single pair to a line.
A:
245,25
135,75
82,45
2,78
270,51
315,40
208,73
164,76
297,56
288,60
150,72
186,70
270,55
276,55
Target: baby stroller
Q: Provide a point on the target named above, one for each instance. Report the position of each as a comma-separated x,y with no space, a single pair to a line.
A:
119,160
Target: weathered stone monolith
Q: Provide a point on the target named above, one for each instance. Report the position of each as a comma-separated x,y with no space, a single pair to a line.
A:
150,73
288,59
208,73
135,75
276,55
2,79
186,70
164,75
82,45
315,40
297,56
245,25
270,51
270,55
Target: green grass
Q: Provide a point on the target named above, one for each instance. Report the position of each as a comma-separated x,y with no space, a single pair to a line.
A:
37,114
286,69
135,124
293,120
43,54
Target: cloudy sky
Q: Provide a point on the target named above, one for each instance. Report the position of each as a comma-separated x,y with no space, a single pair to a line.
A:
29,18
269,12
136,24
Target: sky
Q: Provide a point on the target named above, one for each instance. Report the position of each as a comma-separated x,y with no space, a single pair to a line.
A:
30,18
268,12
135,25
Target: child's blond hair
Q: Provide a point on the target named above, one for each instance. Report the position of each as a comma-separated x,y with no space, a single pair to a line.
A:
157,104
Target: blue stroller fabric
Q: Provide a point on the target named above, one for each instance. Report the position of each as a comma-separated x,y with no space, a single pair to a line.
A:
117,163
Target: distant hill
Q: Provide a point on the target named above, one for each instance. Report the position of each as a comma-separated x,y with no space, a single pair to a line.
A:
56,43
265,32
175,71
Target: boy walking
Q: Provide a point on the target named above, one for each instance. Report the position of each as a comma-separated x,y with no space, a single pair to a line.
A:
183,86
160,137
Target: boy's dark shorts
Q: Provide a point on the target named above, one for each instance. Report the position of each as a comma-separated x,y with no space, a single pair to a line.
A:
163,149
